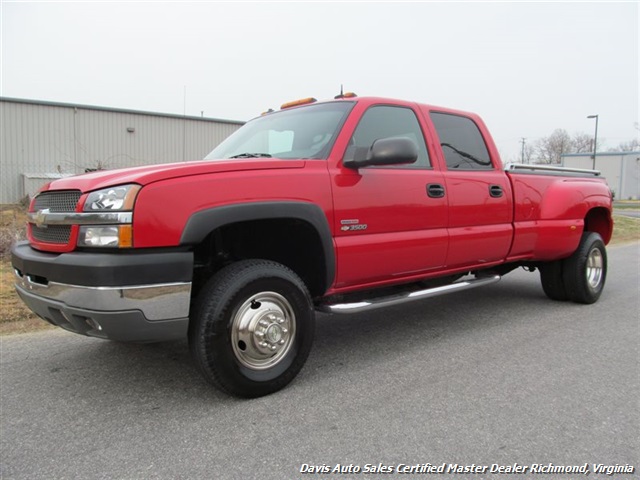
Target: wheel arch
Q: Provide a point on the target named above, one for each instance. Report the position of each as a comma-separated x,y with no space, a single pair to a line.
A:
599,220
286,220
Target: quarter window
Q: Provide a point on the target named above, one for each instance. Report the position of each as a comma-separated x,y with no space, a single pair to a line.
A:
383,122
461,142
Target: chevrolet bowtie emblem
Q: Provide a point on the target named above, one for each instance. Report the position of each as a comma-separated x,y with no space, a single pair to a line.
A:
40,217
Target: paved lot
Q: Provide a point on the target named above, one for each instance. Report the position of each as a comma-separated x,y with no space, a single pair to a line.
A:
493,375
627,212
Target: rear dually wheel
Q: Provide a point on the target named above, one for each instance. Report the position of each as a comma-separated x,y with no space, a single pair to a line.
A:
585,272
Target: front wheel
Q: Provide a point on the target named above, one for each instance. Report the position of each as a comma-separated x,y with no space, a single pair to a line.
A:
252,329
585,272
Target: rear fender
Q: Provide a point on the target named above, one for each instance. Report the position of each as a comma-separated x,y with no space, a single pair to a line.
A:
568,209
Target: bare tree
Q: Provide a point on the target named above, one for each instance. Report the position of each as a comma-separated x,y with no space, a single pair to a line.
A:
630,146
581,143
550,149
529,154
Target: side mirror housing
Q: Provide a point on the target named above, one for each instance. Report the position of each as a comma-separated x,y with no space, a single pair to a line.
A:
384,151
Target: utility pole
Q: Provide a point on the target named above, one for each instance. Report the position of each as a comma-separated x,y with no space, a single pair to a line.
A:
522,155
595,141
184,125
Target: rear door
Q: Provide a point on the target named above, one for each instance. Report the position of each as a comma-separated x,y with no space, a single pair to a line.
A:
480,197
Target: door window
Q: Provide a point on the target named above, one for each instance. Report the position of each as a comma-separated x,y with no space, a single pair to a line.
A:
383,121
461,142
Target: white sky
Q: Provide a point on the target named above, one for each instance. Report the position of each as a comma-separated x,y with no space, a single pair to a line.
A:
526,68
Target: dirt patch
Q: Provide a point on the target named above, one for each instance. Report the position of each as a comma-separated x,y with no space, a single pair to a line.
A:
13,221
15,317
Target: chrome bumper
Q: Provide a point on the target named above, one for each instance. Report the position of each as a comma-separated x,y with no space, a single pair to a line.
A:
156,302
142,313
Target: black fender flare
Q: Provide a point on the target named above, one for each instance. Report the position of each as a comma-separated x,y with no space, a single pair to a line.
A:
202,223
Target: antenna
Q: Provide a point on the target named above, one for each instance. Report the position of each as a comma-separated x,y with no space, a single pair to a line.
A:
341,95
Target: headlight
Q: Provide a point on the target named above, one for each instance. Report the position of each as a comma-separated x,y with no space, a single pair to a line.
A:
109,230
110,199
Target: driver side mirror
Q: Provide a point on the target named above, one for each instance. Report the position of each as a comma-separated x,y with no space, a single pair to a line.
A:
384,151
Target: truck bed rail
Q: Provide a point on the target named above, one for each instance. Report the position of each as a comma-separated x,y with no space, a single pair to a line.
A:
546,169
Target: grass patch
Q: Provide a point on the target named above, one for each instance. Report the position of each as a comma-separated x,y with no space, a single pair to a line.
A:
625,229
627,205
16,318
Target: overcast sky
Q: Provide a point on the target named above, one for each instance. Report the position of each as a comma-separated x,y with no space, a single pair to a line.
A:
526,68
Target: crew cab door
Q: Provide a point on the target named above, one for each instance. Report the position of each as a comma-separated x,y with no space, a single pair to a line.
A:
479,192
390,222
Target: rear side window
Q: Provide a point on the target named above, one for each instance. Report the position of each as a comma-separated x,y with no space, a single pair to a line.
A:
383,121
461,142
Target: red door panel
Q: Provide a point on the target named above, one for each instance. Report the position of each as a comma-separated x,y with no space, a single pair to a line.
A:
386,225
480,212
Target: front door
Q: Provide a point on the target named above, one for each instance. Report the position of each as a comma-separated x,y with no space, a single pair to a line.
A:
390,222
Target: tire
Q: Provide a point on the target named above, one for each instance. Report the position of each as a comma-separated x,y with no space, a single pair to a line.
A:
252,328
552,281
585,272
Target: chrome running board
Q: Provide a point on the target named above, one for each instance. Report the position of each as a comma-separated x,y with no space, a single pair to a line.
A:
405,297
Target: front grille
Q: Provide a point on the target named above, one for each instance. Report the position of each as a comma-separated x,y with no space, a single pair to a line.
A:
52,233
61,201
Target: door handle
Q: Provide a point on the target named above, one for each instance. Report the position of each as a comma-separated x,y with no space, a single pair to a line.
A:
435,190
495,191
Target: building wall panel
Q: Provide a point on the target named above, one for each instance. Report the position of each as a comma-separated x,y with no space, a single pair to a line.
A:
41,139
621,169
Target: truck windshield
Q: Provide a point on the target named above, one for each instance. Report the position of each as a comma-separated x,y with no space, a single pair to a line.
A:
303,132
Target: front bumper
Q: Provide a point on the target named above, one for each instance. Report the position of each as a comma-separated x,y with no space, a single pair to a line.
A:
139,296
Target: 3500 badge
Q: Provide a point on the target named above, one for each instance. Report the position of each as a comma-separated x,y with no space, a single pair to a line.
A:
352,225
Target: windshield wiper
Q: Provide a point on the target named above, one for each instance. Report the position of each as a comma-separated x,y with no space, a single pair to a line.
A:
252,155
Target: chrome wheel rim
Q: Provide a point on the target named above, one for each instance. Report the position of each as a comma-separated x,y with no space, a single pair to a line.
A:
262,330
595,267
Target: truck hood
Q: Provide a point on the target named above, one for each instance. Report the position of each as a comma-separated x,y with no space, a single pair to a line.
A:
154,173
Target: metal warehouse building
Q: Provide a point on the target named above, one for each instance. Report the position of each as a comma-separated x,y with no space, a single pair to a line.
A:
44,140
621,169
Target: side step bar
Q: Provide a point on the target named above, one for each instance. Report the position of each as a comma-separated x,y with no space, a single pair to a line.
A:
381,302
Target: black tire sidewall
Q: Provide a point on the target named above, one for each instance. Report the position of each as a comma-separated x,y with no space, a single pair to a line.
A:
218,303
574,270
552,281
296,300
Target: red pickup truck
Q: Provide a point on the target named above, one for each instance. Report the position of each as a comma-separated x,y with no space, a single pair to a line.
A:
338,206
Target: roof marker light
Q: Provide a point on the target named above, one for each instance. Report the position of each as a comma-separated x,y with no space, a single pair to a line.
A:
295,103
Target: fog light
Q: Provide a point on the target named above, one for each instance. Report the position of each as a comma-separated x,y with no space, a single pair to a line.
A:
117,236
93,324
